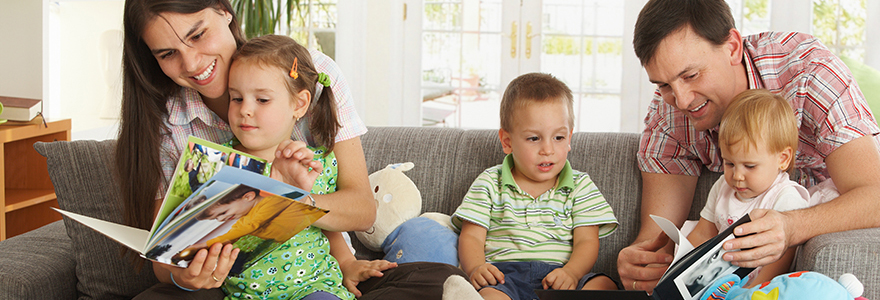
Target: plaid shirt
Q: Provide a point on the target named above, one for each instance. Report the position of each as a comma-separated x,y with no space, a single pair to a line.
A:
188,115
829,107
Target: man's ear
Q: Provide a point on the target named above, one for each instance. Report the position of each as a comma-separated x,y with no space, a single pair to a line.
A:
785,158
734,45
504,136
301,103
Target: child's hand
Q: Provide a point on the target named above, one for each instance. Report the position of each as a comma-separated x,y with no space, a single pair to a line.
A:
292,162
486,274
560,279
356,271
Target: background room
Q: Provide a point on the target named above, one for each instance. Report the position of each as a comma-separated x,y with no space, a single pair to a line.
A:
413,62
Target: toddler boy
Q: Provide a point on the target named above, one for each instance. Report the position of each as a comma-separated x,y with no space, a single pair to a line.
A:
533,222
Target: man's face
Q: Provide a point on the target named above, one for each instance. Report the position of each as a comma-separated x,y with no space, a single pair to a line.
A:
697,77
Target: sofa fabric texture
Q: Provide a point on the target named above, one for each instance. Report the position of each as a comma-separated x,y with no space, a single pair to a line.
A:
65,260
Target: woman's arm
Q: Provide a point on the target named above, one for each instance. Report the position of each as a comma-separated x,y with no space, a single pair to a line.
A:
351,207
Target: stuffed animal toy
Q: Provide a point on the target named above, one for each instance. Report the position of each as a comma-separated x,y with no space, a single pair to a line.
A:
799,285
399,231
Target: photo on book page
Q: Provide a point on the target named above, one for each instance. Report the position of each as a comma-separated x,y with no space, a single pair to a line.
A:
696,278
226,210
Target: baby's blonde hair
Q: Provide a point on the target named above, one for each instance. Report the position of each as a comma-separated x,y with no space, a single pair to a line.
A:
759,116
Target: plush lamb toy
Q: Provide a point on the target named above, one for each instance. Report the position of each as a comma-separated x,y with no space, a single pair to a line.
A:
799,285
398,231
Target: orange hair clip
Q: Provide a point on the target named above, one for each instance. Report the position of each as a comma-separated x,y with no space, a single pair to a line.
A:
293,70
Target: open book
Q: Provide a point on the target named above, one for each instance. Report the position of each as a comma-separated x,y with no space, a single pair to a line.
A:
692,269
216,195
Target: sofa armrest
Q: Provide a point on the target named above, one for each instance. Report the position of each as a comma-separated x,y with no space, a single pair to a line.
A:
855,251
38,265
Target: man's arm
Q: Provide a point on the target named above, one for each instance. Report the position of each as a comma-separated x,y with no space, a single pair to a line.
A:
669,196
855,168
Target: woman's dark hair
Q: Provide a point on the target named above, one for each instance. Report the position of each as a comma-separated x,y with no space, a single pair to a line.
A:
279,51
710,19
145,90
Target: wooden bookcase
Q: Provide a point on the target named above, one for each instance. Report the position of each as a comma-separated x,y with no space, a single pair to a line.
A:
27,191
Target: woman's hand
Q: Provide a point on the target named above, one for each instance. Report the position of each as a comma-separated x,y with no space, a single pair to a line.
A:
294,164
355,271
207,270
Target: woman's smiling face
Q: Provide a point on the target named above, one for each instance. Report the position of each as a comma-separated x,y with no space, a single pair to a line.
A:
194,50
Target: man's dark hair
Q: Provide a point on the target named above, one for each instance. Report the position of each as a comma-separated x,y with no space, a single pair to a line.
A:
710,19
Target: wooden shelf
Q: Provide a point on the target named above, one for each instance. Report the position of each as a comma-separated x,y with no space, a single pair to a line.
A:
26,192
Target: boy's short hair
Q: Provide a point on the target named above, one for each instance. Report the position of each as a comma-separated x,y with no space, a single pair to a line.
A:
237,193
757,115
534,88
710,19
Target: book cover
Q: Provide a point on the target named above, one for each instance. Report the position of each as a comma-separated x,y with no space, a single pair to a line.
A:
692,270
19,109
216,195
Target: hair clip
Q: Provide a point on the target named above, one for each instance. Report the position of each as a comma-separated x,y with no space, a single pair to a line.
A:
293,70
324,79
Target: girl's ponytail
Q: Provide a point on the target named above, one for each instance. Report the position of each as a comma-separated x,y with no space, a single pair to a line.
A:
324,124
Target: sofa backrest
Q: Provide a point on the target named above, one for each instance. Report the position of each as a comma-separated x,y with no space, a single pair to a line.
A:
447,160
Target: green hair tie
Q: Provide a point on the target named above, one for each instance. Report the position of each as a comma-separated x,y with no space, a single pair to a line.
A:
324,79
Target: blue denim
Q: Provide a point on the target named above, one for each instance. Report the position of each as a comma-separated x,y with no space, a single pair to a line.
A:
521,279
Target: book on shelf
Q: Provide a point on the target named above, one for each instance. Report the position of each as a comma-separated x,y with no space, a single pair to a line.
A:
692,270
216,195
19,109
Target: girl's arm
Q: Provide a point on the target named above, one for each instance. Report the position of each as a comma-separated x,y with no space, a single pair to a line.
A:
353,270
584,252
704,231
351,207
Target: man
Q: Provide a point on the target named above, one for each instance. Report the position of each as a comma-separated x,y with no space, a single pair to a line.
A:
699,62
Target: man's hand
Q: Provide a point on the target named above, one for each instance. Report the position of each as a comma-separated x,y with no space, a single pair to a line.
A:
641,265
770,237
560,279
294,165
356,271
486,274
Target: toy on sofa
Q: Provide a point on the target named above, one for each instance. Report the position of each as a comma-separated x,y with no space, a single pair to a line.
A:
398,231
799,285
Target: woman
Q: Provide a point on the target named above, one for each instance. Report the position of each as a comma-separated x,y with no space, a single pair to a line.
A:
176,58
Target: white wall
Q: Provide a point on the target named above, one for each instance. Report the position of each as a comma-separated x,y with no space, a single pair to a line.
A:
21,48
85,83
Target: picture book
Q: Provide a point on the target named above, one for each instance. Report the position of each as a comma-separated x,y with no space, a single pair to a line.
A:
692,269
216,195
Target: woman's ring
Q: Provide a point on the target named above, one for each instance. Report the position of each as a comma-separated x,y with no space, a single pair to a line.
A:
634,284
218,280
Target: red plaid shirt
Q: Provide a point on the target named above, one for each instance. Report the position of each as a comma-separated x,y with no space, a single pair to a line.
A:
827,102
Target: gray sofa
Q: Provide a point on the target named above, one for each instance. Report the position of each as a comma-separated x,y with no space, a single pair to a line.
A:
64,260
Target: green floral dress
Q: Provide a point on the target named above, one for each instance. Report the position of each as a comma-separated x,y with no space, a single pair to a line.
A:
300,266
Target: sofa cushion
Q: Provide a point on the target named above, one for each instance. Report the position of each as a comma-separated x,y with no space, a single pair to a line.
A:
82,174
38,265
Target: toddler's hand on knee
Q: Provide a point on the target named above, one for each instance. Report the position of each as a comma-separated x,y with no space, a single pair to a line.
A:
486,274
560,279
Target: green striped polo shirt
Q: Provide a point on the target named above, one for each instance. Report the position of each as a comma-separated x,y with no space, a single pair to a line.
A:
522,228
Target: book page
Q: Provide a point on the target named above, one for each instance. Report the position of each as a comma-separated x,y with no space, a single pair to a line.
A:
263,211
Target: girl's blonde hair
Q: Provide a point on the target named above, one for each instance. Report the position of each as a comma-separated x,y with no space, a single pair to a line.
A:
759,116
280,51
